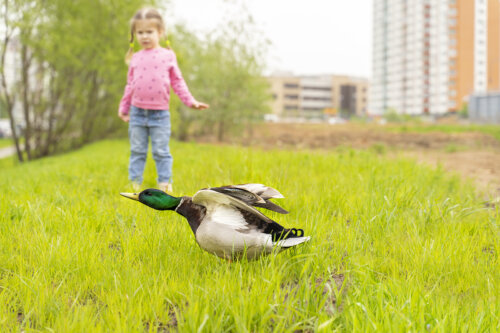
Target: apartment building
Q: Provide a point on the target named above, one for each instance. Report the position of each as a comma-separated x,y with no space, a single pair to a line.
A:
316,96
430,55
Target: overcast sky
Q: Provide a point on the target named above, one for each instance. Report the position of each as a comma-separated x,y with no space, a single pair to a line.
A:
307,36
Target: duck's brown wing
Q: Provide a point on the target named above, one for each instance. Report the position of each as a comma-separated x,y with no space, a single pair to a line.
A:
256,195
210,197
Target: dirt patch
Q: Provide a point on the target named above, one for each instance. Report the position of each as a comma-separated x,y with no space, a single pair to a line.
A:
473,155
481,166
328,284
358,136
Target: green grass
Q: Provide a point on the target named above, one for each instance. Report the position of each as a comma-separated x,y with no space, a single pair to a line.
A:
6,143
493,130
414,247
454,148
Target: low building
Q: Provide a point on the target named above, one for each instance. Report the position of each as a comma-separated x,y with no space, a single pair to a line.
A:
485,108
318,96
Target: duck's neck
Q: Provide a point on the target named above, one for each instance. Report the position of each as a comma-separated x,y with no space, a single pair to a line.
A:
193,213
174,203
164,203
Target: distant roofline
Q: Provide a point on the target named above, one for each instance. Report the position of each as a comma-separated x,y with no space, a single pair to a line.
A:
284,74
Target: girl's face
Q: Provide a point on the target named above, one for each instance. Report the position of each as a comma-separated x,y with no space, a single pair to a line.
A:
147,33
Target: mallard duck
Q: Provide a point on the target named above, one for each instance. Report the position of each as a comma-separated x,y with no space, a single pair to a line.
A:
225,222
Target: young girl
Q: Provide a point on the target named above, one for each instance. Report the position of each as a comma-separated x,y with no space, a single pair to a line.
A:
145,103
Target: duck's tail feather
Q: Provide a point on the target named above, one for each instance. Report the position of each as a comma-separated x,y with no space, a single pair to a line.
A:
290,242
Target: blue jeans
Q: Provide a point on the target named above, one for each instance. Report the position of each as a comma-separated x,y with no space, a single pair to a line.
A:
144,124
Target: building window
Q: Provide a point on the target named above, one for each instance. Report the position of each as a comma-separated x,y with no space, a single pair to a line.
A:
307,98
288,96
312,109
317,88
291,85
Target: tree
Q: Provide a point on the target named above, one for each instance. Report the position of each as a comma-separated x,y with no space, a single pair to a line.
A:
71,70
7,92
224,68
70,73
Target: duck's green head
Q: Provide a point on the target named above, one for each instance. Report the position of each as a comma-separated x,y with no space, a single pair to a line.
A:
155,199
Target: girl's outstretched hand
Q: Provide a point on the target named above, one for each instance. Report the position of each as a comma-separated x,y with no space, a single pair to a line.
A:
199,105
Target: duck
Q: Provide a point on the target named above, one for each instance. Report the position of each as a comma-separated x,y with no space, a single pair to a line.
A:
225,221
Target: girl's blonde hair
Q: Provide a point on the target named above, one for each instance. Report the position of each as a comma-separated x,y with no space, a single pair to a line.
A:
143,14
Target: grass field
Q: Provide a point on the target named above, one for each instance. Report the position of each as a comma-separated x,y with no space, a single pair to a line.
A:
493,130
5,143
395,247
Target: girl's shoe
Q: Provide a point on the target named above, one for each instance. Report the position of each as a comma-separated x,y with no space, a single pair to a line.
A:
136,186
165,187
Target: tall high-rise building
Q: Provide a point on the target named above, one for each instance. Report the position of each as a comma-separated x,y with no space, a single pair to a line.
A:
430,55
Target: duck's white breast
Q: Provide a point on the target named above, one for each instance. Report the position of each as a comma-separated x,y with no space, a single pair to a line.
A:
225,232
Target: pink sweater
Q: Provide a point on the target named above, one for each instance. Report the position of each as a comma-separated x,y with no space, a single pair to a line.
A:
150,75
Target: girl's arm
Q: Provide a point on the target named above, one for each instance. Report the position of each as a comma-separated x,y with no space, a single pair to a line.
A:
181,89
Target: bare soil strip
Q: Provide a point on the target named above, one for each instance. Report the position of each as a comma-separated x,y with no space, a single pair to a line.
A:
472,155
